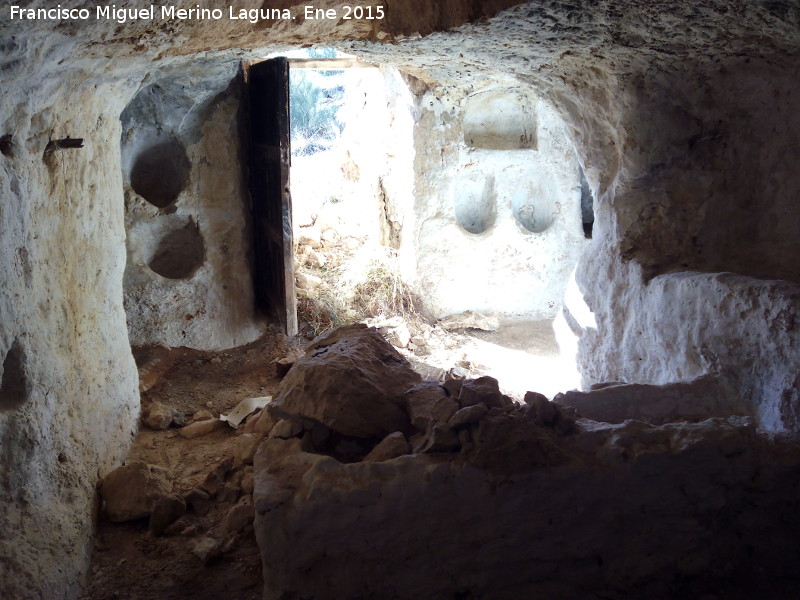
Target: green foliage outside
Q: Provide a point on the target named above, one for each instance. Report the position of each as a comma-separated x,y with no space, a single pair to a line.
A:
315,98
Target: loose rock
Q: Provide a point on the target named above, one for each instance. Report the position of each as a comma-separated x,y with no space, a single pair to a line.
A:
247,481
182,527
428,402
157,416
457,373
230,491
352,243
392,446
260,423
438,438
201,428
207,548
545,411
216,479
165,512
308,282
329,236
246,446
131,491
468,416
284,429
399,336
239,516
316,259
201,415
350,380
283,365
310,237
199,500
469,320
483,389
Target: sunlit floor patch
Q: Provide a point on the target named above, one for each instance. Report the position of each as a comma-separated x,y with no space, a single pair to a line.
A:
522,355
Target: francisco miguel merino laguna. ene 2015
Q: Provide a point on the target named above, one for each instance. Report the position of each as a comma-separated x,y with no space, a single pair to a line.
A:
169,13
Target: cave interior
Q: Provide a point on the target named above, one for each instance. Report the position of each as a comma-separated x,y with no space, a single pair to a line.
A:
626,169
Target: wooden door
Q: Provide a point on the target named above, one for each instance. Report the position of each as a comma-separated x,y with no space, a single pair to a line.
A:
269,162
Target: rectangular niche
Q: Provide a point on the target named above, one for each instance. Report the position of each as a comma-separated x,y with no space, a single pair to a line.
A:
500,120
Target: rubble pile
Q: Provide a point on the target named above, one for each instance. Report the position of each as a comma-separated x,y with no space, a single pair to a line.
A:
353,394
453,490
361,480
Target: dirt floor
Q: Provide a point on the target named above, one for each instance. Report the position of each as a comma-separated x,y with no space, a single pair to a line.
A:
133,564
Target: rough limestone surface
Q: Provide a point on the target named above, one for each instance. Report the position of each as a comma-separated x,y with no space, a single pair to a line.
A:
63,253
68,386
502,205
685,325
685,138
545,504
187,280
350,380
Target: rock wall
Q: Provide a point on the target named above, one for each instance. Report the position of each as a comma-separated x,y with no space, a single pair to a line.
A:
398,220
187,281
680,326
714,194
497,201
686,139
68,385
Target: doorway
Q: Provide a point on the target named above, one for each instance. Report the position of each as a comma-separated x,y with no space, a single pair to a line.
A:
269,162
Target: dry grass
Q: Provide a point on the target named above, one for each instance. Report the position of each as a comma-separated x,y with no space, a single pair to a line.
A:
319,312
357,290
383,293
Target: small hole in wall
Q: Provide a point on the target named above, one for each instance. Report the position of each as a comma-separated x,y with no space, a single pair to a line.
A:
180,253
587,207
14,383
7,145
160,173
476,204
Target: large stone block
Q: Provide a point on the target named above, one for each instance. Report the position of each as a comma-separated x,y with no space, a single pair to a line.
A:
132,491
350,380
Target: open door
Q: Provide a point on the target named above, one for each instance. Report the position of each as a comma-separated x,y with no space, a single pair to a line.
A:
270,160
